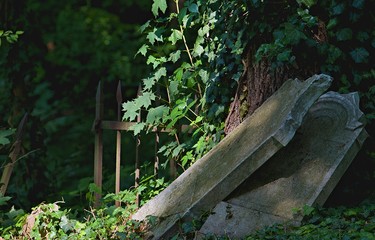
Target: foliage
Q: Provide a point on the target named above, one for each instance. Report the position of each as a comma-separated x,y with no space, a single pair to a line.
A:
332,223
52,222
196,55
58,64
49,221
10,36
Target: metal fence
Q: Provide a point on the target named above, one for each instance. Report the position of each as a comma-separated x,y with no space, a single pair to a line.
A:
100,124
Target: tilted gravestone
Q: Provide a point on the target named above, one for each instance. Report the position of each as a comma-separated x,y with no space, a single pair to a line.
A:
212,178
303,173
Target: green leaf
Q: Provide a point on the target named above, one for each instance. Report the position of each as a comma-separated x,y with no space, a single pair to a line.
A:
193,8
307,210
4,200
173,88
175,56
344,34
159,5
155,35
175,36
148,83
359,55
145,100
203,31
144,26
292,34
143,50
204,75
358,4
4,134
130,110
160,72
154,115
338,9
308,3
137,128
198,50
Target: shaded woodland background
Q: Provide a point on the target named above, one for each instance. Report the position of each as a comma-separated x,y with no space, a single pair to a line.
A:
52,73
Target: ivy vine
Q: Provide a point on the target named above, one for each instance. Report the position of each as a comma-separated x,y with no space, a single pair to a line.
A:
196,55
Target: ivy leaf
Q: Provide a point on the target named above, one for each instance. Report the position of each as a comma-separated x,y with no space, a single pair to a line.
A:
204,75
292,34
359,55
155,35
130,110
175,56
198,49
175,36
4,134
137,128
308,3
143,50
3,200
159,5
338,9
344,34
193,8
154,115
173,88
358,4
203,31
144,26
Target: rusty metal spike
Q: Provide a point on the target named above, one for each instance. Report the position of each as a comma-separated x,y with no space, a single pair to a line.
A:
118,93
20,127
99,104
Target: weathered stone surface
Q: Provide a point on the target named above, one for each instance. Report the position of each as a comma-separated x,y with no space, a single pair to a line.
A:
303,173
236,157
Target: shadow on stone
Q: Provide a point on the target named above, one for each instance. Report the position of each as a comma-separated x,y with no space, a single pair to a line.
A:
303,173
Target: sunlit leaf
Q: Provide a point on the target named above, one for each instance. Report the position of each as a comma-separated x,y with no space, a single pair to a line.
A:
175,56
156,114
143,50
148,83
137,128
175,36
145,100
130,110
160,72
159,5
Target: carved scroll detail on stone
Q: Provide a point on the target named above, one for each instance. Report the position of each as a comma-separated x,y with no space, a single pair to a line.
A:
347,102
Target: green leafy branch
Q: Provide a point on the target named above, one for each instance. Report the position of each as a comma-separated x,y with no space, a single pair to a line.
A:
10,36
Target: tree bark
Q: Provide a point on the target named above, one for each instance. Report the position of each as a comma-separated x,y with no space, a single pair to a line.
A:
259,81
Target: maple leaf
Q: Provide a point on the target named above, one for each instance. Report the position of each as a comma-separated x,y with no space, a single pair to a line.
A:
145,100
130,110
137,128
159,5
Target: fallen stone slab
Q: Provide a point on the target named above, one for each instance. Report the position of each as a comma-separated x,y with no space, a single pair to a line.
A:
212,178
303,173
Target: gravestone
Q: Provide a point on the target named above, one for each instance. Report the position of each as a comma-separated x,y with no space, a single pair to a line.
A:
212,178
303,173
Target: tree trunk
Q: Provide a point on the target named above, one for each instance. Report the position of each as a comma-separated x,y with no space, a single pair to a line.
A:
259,81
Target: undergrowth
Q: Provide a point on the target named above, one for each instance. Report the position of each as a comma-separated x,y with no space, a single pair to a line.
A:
52,221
